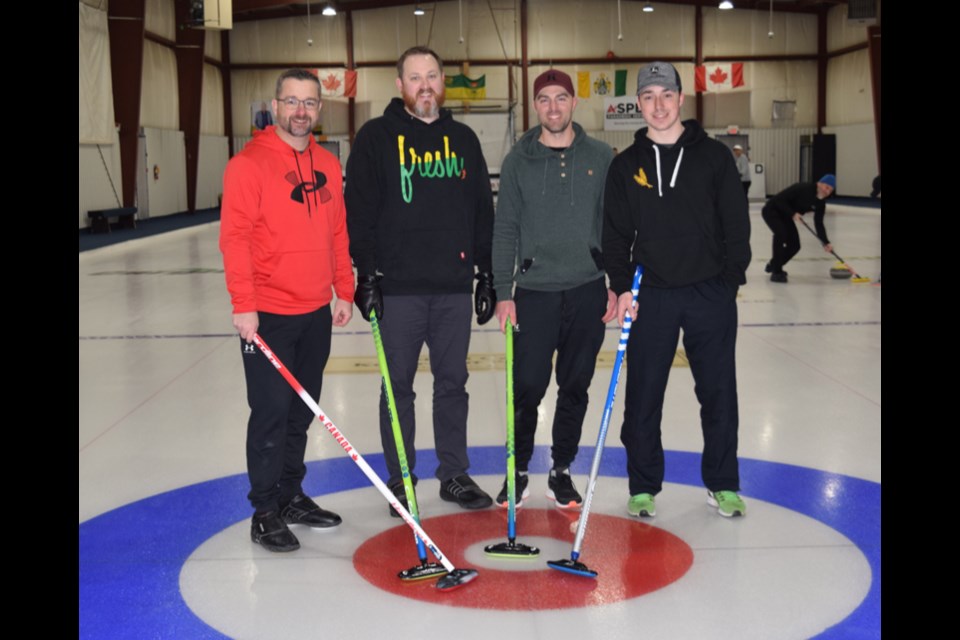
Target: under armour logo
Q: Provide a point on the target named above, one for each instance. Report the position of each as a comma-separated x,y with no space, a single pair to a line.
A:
249,348
300,188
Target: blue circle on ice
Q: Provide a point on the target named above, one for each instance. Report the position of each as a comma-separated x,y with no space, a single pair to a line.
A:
131,557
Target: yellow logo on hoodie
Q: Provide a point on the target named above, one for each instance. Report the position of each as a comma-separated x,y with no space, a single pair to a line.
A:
428,165
641,179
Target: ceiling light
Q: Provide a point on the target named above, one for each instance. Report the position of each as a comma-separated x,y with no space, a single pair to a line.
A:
418,11
648,8
725,5
329,11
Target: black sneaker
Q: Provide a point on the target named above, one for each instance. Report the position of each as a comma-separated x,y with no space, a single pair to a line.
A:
521,489
561,489
302,510
271,532
465,492
778,276
401,494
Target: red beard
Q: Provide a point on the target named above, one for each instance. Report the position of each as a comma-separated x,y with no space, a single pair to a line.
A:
411,103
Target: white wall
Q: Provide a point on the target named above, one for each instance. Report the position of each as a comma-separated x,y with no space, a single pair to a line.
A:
840,33
95,106
159,93
849,90
493,131
779,152
580,28
742,32
212,160
160,18
211,45
856,158
850,106
95,191
285,40
211,103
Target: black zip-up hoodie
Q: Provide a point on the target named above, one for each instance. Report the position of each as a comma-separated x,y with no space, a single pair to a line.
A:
419,206
679,210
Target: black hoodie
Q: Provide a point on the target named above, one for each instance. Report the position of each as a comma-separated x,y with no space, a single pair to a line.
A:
684,205
419,206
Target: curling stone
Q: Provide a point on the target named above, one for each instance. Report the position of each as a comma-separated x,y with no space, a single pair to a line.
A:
839,271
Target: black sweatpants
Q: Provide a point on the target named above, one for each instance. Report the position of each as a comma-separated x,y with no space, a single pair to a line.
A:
443,323
568,323
707,313
279,419
786,238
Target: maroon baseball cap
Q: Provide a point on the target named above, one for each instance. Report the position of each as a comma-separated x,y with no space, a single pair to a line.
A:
552,77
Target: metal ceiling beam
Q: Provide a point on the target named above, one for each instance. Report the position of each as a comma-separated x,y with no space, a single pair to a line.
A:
189,56
126,30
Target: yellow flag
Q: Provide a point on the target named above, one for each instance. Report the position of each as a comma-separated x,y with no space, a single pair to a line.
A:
583,84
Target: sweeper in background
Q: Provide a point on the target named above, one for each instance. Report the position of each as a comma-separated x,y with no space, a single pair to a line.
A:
788,206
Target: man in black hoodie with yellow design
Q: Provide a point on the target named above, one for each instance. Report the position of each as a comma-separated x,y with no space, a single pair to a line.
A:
420,219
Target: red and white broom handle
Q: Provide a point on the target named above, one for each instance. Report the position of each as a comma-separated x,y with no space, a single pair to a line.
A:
353,453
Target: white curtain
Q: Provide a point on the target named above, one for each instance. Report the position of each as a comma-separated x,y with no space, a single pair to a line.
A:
96,87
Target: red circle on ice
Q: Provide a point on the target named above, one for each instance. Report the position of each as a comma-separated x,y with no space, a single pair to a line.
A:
630,557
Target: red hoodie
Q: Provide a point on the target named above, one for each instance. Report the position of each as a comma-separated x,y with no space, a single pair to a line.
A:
283,229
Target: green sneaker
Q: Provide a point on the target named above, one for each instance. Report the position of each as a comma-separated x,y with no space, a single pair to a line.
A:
642,505
728,503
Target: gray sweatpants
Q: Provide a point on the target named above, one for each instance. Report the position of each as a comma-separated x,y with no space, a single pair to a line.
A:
443,323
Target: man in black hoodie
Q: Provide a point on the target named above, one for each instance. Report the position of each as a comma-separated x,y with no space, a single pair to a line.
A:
673,203
420,219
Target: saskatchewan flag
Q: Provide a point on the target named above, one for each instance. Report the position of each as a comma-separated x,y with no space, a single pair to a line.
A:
460,87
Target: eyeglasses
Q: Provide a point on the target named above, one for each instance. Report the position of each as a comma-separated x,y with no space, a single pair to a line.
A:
310,104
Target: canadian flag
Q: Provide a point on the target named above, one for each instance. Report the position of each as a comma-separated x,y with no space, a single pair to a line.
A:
337,83
718,76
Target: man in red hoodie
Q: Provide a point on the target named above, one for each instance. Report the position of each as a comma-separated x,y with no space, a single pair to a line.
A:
285,251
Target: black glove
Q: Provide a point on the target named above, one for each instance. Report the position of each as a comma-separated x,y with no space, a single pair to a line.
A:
484,298
368,296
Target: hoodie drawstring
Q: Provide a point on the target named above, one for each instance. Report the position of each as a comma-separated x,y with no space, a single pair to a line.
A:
676,170
313,192
656,152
